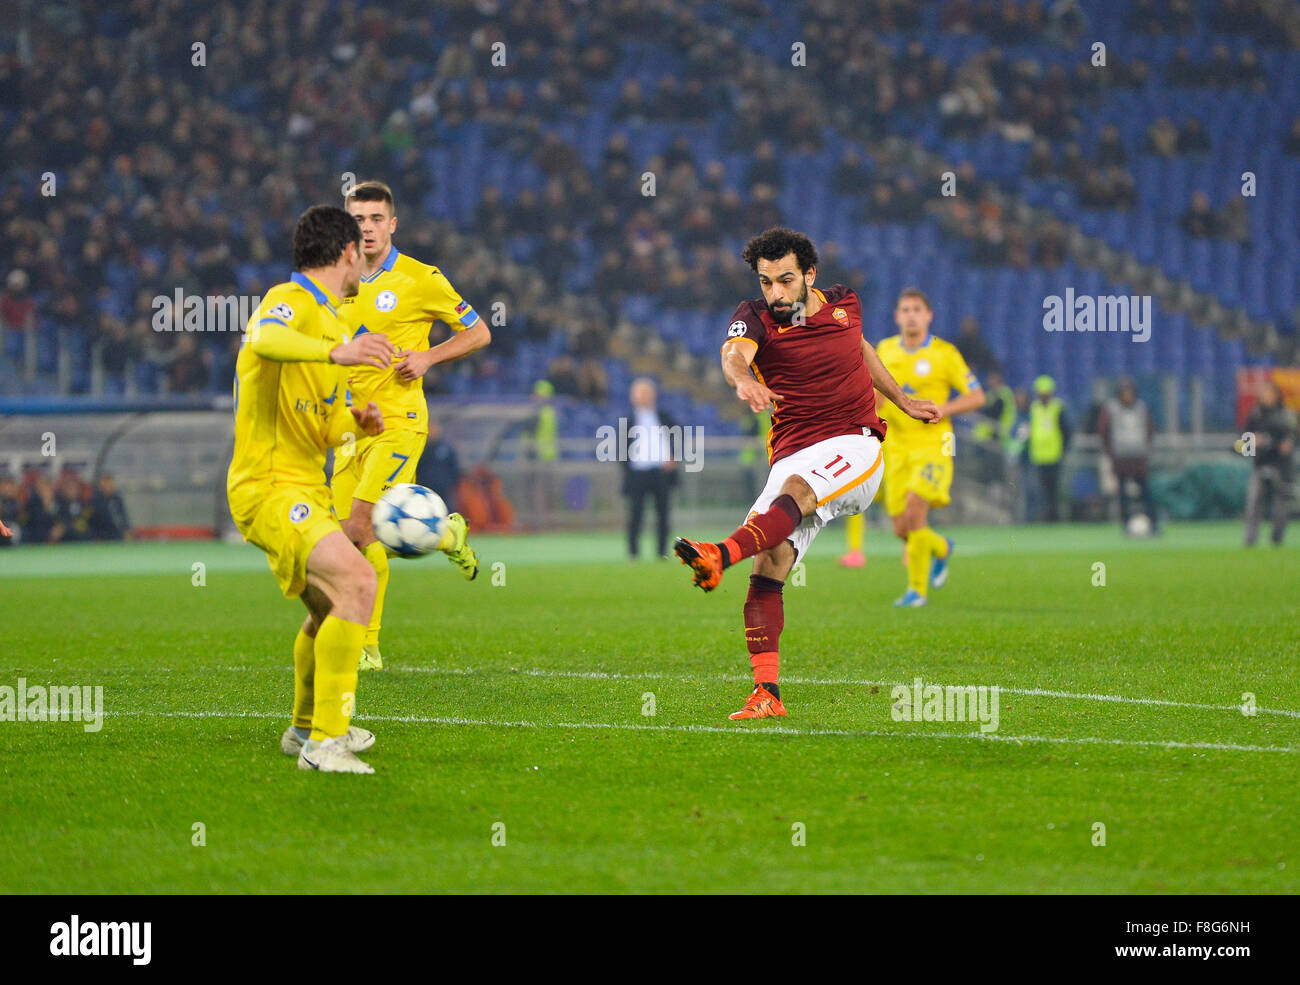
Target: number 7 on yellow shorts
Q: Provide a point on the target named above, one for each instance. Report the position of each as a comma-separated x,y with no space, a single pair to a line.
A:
378,464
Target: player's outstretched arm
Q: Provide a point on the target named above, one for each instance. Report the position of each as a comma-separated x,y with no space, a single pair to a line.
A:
963,403
922,410
280,343
736,357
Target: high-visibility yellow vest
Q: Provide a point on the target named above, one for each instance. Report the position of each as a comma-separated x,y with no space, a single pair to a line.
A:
546,436
749,450
1046,443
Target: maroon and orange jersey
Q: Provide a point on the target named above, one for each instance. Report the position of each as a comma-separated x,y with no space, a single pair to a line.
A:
816,367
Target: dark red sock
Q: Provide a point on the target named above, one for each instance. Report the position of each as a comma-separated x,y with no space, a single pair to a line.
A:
762,531
764,620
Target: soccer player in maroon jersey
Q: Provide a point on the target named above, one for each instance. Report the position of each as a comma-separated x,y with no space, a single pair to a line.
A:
810,363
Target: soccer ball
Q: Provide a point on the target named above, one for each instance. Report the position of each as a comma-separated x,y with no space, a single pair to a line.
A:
410,519
1139,525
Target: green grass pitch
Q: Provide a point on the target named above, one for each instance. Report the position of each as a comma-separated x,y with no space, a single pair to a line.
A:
515,711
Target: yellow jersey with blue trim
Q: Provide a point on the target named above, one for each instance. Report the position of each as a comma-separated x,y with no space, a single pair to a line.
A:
402,300
931,371
288,411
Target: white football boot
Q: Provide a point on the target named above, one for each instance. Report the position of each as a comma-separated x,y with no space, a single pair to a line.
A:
332,756
358,740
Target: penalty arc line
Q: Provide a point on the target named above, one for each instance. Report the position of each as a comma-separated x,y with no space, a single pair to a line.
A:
738,730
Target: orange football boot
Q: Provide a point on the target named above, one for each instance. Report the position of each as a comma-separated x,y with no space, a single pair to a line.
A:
761,703
702,558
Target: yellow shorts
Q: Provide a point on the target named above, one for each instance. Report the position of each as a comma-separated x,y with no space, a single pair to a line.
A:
287,525
378,464
924,471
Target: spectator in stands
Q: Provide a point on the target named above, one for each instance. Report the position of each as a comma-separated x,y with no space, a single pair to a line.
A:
72,498
1249,72
1199,220
851,175
17,316
1110,148
593,381
1184,71
1219,71
563,375
186,370
1133,74
1127,436
765,168
1273,425
439,466
909,202
970,342
1041,162
108,519
40,517
1053,247
649,469
1123,189
10,508
989,248
1095,191
1291,145
1234,221
1193,138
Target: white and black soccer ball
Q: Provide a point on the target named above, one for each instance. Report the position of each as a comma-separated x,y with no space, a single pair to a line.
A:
1139,525
410,519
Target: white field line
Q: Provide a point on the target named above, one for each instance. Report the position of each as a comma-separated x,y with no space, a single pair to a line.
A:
846,682
737,730
598,675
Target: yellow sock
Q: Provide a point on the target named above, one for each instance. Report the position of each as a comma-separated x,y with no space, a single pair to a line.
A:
377,555
938,546
918,561
304,674
338,651
853,528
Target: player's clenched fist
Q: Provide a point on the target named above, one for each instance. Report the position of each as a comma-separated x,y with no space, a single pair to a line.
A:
371,418
755,394
370,349
923,410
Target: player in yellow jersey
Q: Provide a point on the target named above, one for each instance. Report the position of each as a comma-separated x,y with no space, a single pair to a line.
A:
291,405
919,455
401,298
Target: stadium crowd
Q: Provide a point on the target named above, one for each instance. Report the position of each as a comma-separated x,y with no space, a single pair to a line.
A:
179,174
48,510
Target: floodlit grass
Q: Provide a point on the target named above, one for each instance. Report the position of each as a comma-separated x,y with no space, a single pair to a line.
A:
519,700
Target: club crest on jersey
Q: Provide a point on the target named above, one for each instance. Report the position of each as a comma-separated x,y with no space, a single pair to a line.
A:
299,512
736,329
840,314
922,367
385,300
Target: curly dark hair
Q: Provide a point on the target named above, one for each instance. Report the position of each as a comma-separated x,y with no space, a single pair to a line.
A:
775,243
320,237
